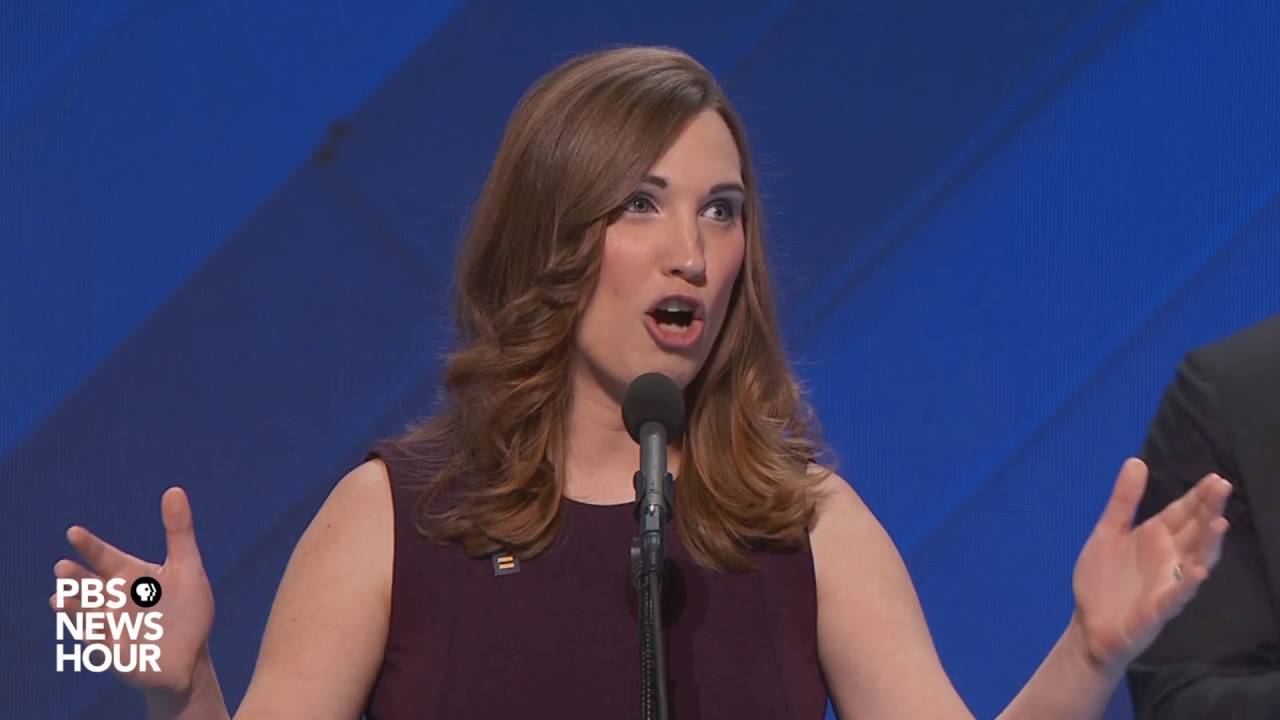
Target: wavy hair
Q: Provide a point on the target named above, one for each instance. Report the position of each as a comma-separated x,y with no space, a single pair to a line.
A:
578,144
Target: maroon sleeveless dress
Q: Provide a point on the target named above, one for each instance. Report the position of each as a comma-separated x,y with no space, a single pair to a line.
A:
559,638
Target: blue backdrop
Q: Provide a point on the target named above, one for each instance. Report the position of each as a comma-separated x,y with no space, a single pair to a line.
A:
227,231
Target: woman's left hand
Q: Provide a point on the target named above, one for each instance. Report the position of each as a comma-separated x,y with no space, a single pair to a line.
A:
1129,581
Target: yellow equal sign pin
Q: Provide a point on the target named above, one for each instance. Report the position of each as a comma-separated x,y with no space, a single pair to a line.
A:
505,564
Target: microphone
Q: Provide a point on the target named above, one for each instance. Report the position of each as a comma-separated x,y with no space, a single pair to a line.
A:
653,411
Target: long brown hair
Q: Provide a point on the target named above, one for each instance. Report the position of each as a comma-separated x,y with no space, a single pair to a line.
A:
579,143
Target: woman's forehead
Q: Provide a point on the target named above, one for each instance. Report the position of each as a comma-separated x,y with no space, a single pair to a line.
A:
704,153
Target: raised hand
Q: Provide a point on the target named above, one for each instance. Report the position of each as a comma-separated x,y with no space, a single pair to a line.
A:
1130,581
186,599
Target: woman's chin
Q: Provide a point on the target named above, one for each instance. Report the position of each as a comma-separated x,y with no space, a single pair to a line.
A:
681,370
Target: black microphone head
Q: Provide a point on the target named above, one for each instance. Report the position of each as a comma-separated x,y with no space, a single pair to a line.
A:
653,397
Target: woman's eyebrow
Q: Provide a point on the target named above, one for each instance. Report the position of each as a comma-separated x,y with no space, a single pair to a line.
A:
734,187
729,187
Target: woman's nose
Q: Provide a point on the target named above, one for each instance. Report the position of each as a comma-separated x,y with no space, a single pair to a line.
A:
686,257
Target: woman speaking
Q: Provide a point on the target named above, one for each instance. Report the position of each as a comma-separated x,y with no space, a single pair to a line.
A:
473,566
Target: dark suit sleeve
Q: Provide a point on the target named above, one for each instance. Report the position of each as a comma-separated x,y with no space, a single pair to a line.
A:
1218,659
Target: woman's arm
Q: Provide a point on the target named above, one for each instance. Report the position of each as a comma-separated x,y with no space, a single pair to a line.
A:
875,648
1068,683
876,652
202,700
328,625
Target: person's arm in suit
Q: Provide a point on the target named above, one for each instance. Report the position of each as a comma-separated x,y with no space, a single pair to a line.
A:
1219,658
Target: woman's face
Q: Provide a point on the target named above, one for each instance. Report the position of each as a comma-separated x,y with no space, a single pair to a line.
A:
670,261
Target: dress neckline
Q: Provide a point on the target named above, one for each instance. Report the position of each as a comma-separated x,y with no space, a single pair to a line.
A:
599,506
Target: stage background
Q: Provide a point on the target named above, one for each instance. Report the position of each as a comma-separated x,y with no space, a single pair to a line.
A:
227,233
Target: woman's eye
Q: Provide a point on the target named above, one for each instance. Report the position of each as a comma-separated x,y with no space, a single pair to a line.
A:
638,204
721,211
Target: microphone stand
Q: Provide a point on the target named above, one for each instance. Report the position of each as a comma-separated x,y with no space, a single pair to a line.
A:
654,490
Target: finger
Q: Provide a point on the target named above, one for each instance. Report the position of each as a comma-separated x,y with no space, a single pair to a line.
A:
1175,595
1214,496
1211,495
69,605
1131,482
65,568
1213,544
1211,498
1176,515
103,557
69,570
179,527
1203,544
1202,532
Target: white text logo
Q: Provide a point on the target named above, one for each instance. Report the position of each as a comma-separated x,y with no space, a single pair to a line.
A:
95,633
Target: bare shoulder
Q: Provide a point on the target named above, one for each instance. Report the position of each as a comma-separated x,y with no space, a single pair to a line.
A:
873,642
355,526
839,507
848,541
363,495
328,625
845,532
356,523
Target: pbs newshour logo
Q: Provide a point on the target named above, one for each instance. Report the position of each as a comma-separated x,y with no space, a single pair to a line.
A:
100,635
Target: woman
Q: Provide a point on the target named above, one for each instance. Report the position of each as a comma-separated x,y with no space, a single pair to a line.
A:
619,233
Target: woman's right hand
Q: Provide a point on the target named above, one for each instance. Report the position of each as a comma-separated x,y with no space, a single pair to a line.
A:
186,599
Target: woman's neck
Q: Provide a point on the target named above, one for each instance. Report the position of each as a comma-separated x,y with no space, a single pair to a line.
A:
600,458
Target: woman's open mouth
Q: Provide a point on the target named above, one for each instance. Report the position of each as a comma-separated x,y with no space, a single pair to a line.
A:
675,325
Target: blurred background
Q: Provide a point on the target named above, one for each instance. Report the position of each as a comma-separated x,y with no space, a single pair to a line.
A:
227,231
